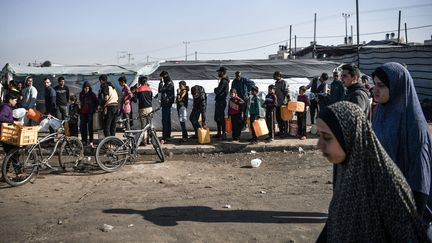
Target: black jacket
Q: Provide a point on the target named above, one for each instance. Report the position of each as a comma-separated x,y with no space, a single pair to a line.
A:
222,90
145,96
166,90
359,95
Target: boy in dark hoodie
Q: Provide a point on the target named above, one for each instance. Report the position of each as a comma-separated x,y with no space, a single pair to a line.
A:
269,105
199,108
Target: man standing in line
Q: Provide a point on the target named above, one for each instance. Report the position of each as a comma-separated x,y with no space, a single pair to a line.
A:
356,92
50,98
283,96
221,93
337,90
243,86
144,95
29,98
108,105
322,92
62,99
313,85
166,90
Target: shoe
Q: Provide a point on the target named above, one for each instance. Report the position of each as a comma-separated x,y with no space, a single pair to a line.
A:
193,137
216,136
184,140
91,145
303,138
254,142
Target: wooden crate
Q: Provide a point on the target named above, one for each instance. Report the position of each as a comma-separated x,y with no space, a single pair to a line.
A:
18,135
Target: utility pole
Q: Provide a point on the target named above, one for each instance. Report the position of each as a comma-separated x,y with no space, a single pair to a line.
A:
289,52
346,16
314,41
358,35
123,54
196,55
398,40
186,44
352,36
406,34
295,43
129,57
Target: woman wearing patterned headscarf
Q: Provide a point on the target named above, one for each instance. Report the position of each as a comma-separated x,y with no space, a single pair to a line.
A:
401,127
372,201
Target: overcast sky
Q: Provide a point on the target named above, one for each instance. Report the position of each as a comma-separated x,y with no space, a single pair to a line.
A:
88,32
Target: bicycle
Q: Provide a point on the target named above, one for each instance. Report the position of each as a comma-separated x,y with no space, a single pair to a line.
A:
112,153
23,163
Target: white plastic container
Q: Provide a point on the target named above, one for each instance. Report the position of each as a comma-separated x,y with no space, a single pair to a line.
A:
256,163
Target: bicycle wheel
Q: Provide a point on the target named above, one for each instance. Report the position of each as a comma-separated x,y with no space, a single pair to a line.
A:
71,154
19,166
156,145
111,154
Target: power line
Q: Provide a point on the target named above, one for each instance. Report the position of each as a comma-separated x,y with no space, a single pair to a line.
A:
243,50
338,36
306,22
167,58
159,49
281,28
371,33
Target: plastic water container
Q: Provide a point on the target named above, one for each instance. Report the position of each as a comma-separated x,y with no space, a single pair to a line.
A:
256,163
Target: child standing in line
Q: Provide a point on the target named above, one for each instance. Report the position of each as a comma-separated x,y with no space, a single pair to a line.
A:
235,108
254,112
182,104
269,105
301,116
74,113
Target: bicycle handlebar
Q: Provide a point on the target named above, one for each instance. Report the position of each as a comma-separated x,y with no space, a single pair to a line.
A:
53,118
146,115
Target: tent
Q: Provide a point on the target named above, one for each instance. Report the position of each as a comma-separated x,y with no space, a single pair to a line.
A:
297,72
75,76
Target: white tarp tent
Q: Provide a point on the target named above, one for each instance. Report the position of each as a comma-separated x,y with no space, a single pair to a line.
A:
194,73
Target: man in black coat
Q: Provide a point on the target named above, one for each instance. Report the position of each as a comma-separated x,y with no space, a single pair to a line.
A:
166,91
221,92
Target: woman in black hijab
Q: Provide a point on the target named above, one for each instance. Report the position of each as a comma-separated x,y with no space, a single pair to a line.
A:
372,202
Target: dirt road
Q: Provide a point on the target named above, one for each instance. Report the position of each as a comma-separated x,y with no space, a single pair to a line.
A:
190,198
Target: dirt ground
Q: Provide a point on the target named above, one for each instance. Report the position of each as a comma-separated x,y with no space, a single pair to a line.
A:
189,198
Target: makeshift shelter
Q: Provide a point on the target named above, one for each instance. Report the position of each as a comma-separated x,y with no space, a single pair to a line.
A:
297,72
75,76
